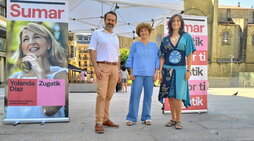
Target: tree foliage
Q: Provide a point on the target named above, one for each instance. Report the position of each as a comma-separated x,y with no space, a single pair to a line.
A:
124,52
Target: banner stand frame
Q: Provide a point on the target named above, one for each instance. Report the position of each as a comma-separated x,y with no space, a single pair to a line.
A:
42,121
188,111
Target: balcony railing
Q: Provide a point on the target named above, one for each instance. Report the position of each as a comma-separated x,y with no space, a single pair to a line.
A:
83,51
83,65
84,58
83,42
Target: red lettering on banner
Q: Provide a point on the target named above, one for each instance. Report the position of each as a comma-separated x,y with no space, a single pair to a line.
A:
17,11
52,14
37,12
194,28
26,15
60,13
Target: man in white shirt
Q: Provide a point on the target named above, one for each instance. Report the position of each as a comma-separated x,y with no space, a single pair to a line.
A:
105,56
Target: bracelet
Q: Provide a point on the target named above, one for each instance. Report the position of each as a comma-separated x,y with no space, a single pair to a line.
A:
187,70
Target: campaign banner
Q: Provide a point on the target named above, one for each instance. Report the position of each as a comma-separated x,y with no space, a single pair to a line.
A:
200,41
198,103
22,92
196,26
200,57
37,69
37,10
50,92
199,72
36,92
198,87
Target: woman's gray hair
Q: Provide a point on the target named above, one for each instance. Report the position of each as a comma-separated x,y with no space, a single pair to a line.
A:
56,54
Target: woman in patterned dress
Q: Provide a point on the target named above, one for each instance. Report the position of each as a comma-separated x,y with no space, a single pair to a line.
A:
175,51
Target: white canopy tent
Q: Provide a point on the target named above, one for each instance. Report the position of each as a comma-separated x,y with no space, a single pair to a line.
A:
87,15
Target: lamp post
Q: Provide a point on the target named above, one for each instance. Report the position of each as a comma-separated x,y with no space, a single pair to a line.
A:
231,63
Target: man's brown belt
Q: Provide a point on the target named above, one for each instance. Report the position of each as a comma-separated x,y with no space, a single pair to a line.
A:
108,63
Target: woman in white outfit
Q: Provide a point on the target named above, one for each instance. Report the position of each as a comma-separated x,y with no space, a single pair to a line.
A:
124,74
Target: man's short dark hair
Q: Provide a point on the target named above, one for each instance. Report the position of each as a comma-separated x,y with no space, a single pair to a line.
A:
110,12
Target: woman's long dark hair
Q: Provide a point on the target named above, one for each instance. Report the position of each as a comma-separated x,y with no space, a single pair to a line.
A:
170,29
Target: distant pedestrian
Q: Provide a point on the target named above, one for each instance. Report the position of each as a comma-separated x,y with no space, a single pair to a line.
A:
83,76
125,74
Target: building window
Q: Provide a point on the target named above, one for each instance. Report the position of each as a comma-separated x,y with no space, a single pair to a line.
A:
2,8
2,44
73,51
225,38
253,39
85,63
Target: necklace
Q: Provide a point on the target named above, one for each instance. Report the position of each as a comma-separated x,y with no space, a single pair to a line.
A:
174,39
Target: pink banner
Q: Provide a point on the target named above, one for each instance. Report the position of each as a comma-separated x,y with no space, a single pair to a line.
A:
200,41
198,87
36,92
50,92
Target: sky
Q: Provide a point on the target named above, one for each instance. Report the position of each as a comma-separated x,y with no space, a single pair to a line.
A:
243,3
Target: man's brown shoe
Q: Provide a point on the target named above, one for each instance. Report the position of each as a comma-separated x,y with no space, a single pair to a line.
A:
99,129
110,124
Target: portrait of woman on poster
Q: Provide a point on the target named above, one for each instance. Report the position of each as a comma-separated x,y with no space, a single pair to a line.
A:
39,56
175,51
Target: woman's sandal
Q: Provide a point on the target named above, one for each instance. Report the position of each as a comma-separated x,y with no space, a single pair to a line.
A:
170,123
129,123
178,125
148,122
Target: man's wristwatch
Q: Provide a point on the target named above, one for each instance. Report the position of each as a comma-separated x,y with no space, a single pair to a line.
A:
187,70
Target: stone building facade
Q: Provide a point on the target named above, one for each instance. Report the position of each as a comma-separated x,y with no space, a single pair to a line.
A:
231,39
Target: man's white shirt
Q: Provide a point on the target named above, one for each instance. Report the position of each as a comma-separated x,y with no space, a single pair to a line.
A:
106,45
